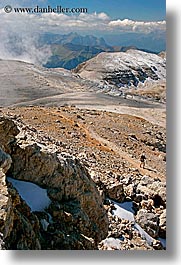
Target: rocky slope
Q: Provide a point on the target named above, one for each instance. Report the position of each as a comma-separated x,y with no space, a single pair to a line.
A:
85,179
119,71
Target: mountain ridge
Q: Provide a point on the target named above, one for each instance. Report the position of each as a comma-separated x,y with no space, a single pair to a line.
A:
69,50
119,72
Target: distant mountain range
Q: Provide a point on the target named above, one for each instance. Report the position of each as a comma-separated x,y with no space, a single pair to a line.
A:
153,41
70,55
68,51
73,38
72,49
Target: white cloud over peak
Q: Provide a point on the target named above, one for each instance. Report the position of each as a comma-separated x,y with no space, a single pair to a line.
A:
62,22
137,26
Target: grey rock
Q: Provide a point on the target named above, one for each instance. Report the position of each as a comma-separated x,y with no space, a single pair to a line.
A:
162,226
5,161
149,222
115,192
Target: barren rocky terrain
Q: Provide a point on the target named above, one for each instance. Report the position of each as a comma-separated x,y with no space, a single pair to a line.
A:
83,146
120,137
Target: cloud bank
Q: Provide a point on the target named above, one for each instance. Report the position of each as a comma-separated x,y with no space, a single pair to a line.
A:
61,22
22,30
128,25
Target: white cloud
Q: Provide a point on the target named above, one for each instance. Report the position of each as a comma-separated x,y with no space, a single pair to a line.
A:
137,26
60,22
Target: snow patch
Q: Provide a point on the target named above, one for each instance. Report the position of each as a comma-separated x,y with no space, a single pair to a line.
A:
124,211
44,224
35,196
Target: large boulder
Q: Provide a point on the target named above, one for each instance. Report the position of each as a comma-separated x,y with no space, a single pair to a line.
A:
115,192
19,227
148,221
8,131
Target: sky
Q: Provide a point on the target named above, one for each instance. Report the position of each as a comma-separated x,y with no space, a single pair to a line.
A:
145,10
104,18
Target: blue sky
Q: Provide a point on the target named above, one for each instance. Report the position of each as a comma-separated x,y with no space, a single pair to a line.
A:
140,10
146,10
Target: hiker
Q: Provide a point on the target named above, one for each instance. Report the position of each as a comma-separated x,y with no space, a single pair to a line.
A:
142,160
100,184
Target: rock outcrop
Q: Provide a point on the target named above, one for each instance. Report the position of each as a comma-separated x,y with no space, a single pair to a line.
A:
149,222
8,131
19,227
116,192
78,218
5,161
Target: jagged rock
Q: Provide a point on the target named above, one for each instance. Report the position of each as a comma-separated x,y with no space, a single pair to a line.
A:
155,190
162,226
4,201
147,204
66,179
129,190
115,192
119,228
148,221
8,131
5,161
19,228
